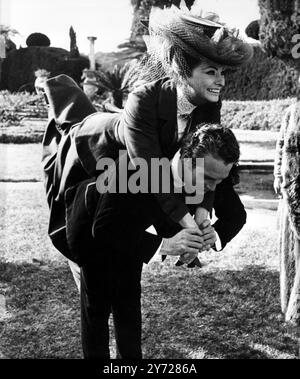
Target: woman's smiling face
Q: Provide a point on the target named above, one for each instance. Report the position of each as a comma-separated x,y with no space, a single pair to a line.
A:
205,83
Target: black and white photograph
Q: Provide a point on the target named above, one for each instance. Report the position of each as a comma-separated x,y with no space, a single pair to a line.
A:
149,182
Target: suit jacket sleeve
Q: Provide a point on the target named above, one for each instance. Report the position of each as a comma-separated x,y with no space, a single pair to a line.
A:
140,121
229,211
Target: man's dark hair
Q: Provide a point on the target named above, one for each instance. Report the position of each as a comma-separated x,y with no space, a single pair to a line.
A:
213,139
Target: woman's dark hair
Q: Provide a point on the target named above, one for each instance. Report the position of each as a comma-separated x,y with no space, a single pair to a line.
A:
191,63
213,139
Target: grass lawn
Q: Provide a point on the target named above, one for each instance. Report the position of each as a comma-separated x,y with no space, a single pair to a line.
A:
20,162
227,309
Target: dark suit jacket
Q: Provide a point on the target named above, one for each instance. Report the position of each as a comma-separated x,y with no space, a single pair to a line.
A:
116,223
147,128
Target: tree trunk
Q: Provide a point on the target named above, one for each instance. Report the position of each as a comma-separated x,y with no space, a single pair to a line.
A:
280,22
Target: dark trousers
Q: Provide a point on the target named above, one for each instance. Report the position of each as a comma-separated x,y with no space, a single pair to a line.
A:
112,248
112,285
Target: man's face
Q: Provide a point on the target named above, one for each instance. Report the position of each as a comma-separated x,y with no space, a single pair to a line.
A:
205,83
215,170
211,173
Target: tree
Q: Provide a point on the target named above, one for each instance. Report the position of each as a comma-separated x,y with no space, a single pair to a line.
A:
252,30
141,11
73,44
279,26
280,35
7,32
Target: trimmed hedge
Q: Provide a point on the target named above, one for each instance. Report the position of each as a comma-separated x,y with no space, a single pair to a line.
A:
247,115
254,115
37,39
19,66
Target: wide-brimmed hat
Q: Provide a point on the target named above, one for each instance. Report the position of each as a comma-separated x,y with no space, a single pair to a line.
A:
197,36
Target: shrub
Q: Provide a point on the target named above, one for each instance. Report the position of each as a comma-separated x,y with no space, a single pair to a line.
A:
247,115
38,39
20,65
14,104
254,115
119,82
252,30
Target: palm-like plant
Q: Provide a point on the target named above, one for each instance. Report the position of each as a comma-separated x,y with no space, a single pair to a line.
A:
118,82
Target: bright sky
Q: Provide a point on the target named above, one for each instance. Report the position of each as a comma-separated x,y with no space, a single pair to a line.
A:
108,20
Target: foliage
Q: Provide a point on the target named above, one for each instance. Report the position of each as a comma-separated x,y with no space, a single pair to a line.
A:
7,30
252,30
254,115
279,24
38,39
119,82
263,78
141,11
73,44
19,66
14,104
250,115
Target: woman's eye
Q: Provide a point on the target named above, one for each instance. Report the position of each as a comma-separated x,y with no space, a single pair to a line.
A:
211,72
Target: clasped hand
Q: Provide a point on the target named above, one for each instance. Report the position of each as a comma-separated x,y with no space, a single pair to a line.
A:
208,236
189,242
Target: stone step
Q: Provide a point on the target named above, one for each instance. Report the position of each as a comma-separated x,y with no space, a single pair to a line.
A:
256,166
